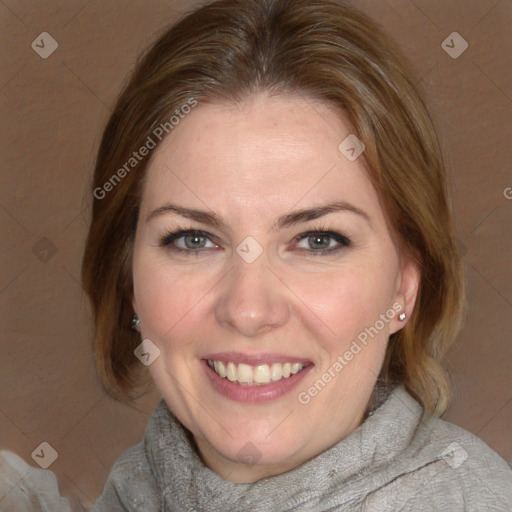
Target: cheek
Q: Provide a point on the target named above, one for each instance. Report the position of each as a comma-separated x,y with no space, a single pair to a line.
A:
166,296
344,302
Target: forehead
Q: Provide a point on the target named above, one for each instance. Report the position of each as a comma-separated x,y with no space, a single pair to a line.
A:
265,151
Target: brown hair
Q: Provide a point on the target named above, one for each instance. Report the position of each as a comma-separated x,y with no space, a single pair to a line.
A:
322,49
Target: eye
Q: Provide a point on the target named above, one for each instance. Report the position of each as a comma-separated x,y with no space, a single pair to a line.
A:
322,242
183,241
192,241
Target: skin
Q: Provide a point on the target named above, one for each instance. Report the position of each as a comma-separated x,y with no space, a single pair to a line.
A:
250,164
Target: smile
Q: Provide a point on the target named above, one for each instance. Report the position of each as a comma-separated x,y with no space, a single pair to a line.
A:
254,378
261,374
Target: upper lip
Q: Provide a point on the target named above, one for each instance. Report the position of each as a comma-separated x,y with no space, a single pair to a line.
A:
255,359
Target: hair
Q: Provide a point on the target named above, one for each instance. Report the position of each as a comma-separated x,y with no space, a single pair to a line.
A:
227,51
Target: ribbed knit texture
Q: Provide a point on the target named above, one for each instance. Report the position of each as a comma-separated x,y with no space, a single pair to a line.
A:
400,459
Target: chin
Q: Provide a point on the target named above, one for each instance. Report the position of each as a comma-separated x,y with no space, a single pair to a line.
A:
263,448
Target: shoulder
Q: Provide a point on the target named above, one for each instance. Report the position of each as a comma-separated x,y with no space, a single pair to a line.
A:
466,454
456,470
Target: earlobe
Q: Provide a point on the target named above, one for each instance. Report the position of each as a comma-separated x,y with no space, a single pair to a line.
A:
135,324
405,299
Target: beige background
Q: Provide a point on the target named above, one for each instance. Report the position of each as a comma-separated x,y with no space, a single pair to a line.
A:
53,111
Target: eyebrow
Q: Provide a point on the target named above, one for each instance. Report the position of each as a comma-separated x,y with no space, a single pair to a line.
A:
287,220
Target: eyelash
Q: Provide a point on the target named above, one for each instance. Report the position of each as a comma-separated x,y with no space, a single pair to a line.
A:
168,238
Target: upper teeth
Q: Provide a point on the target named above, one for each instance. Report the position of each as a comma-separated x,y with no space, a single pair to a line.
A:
261,374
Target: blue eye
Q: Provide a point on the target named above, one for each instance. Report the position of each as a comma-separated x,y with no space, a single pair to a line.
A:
192,241
187,241
323,242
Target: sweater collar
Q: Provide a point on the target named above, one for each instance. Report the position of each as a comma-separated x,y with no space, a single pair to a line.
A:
187,484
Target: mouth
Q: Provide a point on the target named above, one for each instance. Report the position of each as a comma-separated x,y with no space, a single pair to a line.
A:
260,375
254,378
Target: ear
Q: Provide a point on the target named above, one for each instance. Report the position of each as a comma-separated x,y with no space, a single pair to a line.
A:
408,283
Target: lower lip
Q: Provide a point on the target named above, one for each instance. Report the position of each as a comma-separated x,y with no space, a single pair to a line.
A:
257,393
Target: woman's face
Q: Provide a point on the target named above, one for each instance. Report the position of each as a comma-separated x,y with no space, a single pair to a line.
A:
287,276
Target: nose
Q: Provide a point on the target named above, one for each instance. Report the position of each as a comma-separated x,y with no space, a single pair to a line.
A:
252,300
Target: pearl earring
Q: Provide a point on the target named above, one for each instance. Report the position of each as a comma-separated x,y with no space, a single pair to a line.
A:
402,316
135,323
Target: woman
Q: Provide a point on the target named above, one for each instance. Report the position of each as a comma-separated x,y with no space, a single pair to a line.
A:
272,244
271,223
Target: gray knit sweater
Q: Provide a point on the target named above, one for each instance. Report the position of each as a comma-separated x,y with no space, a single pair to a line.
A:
399,459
